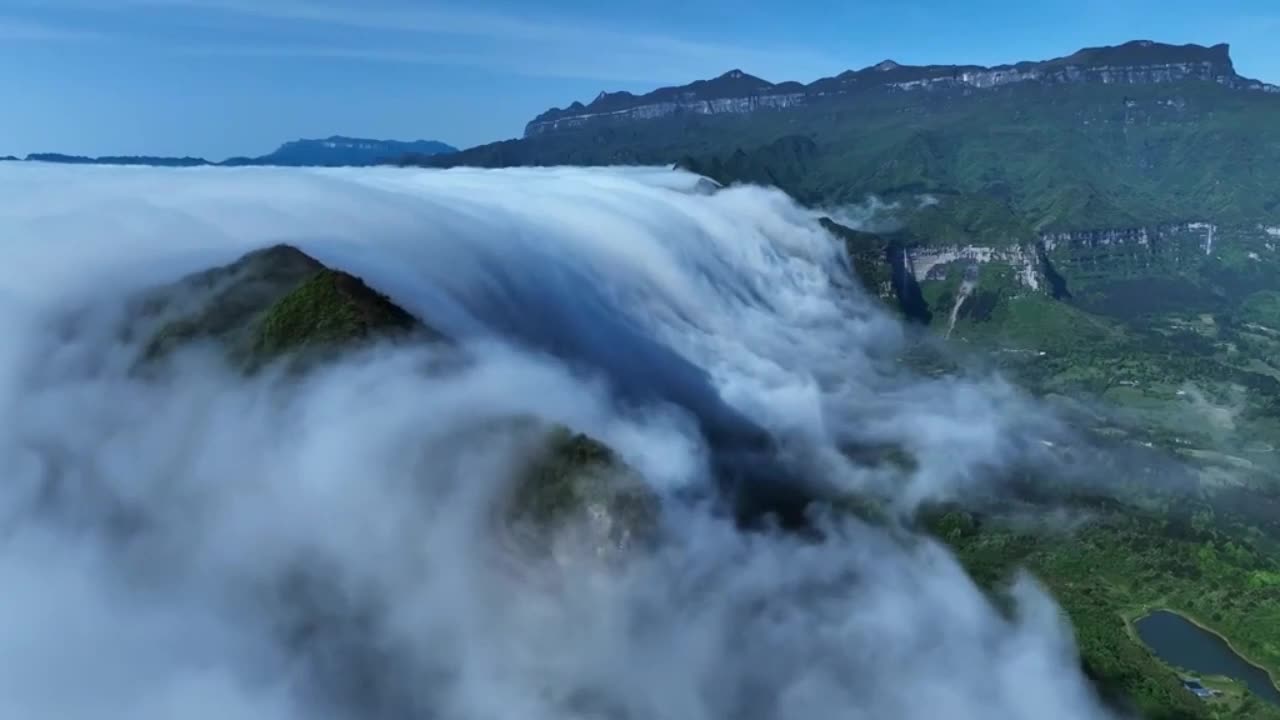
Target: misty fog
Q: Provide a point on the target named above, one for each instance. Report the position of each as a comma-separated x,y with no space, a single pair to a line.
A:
205,545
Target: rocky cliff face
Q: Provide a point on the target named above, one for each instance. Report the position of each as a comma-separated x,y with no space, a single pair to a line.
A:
930,263
1098,254
890,267
1086,256
732,92
1141,236
1136,63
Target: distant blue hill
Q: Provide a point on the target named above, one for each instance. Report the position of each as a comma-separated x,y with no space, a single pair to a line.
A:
117,160
341,151
336,151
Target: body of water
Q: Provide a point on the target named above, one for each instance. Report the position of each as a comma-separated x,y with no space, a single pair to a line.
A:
1182,643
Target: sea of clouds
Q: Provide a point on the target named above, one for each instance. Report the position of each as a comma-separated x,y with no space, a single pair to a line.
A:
200,544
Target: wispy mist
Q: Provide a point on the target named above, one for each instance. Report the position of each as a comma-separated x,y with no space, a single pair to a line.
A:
199,544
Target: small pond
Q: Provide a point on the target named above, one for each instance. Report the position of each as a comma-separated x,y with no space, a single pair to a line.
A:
1183,644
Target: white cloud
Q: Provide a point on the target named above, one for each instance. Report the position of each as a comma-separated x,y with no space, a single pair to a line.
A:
158,536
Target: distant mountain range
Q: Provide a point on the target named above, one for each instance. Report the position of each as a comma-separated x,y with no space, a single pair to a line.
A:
335,151
1119,137
338,151
1140,62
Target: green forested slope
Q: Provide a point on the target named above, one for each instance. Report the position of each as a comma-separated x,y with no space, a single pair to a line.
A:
1035,157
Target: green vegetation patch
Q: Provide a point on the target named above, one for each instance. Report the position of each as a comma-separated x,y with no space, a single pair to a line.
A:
221,304
268,304
575,478
1119,567
964,219
1263,309
1014,159
329,309
868,253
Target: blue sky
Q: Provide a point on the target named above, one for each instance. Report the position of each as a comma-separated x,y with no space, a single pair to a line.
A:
226,77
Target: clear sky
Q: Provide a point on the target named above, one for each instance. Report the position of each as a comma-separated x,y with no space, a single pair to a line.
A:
237,77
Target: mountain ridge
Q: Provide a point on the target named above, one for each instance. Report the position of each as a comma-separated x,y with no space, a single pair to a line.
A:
1134,62
332,151
1133,135
343,150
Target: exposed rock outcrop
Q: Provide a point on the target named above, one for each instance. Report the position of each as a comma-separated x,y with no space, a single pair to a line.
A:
1082,266
884,267
1113,251
1084,253
929,263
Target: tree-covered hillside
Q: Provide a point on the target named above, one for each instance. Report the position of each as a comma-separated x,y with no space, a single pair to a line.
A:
1032,155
